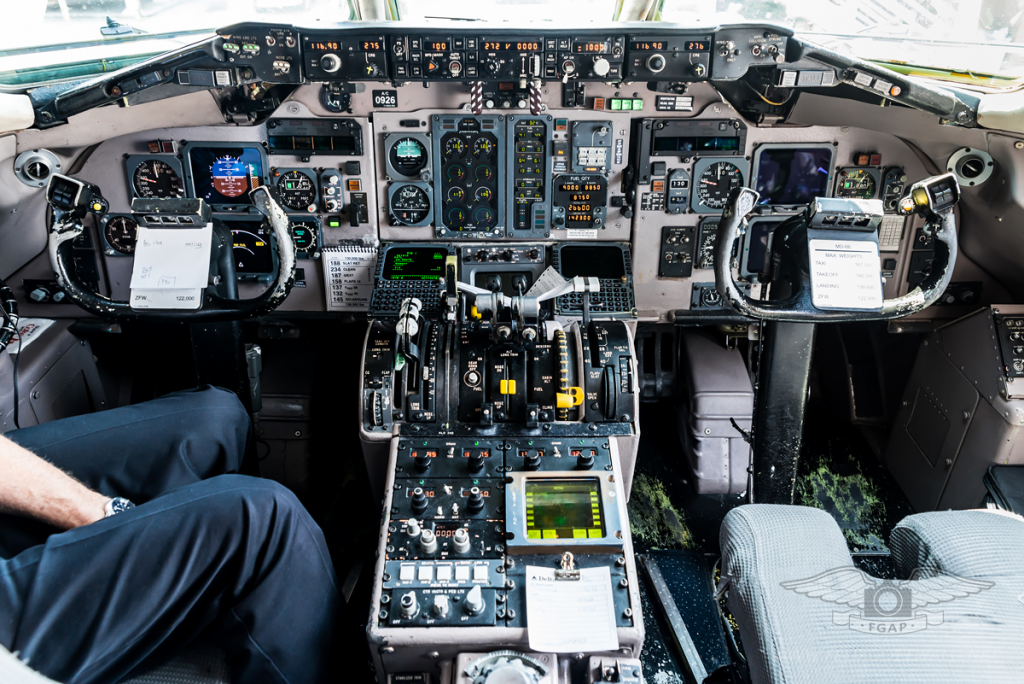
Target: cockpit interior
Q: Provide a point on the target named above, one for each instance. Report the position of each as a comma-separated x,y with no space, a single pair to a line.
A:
644,344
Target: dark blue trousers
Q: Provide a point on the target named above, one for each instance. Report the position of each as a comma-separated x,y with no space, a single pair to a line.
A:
234,558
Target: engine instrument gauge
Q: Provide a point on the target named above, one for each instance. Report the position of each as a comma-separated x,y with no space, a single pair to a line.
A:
483,173
455,217
483,146
456,172
483,217
410,205
716,182
484,194
298,192
455,147
121,233
856,183
156,178
456,194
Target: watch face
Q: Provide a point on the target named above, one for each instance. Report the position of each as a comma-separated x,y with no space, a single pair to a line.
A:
120,504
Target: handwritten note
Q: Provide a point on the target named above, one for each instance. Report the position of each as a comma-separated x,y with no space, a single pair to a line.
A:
570,616
845,274
172,258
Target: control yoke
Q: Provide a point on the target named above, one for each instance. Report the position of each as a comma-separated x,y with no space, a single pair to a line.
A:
933,198
71,200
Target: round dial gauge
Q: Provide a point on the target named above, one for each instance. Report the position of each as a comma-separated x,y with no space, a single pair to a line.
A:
456,194
483,217
409,205
856,184
482,146
483,173
456,217
484,194
455,147
156,178
716,182
297,191
456,172
121,232
408,156
305,236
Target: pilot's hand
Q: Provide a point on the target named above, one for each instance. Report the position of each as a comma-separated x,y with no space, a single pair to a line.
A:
34,488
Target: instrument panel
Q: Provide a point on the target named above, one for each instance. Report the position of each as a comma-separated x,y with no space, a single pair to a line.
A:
510,157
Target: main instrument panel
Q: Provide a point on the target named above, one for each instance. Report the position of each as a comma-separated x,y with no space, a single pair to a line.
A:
556,144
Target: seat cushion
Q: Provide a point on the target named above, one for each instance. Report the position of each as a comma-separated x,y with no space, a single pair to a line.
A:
981,544
806,614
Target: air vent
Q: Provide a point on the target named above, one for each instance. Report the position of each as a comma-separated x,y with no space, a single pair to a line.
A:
35,167
971,166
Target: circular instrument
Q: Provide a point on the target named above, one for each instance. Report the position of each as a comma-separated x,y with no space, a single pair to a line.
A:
716,182
483,146
408,156
298,192
456,194
856,184
455,147
156,178
121,232
410,204
305,236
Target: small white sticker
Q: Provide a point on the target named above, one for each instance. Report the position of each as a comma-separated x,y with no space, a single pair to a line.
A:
845,274
581,233
862,79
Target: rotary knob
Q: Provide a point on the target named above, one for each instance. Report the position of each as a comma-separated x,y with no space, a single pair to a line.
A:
460,540
330,62
428,541
656,63
601,66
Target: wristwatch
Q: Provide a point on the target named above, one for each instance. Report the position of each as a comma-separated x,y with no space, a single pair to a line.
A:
118,504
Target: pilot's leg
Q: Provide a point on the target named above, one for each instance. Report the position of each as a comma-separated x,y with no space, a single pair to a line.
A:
138,452
238,557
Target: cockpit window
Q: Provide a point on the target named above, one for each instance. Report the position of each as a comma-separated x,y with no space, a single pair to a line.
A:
971,39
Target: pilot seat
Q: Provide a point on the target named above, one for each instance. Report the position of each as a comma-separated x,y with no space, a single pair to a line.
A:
806,613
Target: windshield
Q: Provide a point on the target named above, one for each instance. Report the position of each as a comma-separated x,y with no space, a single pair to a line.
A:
972,37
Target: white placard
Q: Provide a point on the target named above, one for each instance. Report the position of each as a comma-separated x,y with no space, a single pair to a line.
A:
189,299
29,330
581,233
348,273
570,616
172,258
845,274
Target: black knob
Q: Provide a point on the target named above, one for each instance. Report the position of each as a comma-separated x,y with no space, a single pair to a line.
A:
698,70
476,462
585,461
419,501
627,212
476,500
481,255
655,63
493,283
506,255
422,461
533,254
532,460
493,66
519,283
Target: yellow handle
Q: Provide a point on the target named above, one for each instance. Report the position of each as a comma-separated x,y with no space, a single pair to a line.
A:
573,398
